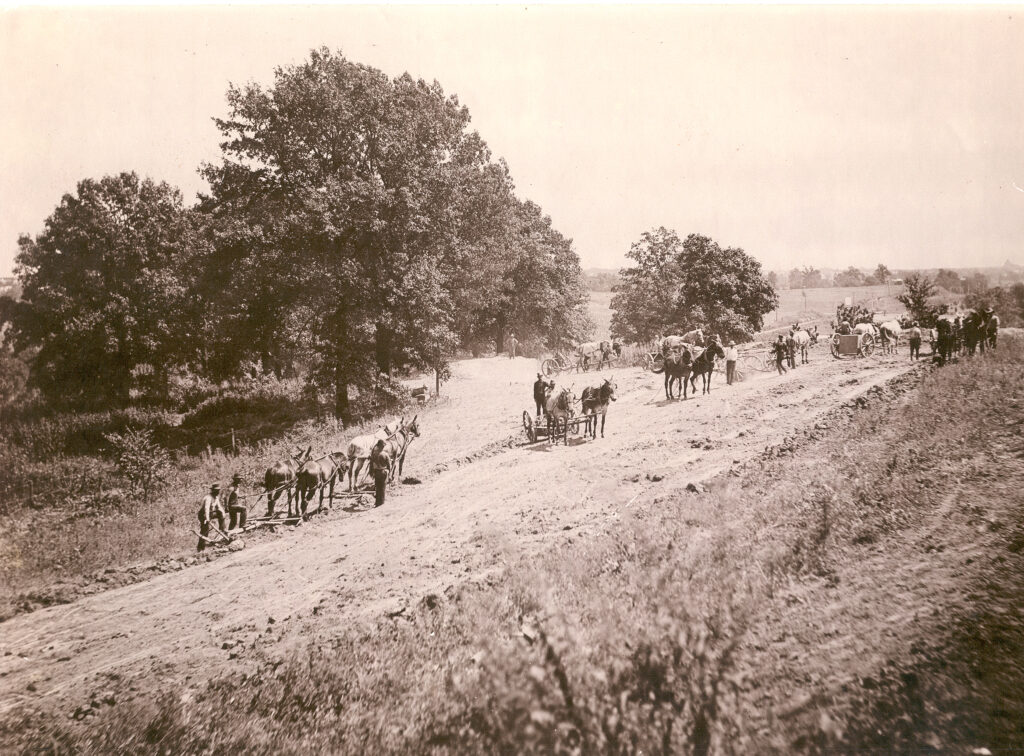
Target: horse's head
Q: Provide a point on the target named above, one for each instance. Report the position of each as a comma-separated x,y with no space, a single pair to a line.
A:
413,427
608,390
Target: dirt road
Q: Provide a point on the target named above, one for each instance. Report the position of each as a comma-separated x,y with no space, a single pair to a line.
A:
483,500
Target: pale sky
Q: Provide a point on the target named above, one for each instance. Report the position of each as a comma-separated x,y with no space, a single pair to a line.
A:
808,136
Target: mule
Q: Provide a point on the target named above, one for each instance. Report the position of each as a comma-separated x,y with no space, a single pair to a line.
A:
318,475
397,446
280,477
358,451
704,366
595,400
559,410
677,367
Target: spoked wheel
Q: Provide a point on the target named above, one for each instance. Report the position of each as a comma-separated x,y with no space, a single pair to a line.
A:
834,347
531,431
867,345
550,368
749,364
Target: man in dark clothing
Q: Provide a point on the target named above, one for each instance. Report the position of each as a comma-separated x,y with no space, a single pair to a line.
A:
380,466
915,342
791,350
779,350
210,509
236,510
540,393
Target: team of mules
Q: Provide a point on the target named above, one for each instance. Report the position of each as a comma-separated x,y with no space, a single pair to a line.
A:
966,334
682,368
301,477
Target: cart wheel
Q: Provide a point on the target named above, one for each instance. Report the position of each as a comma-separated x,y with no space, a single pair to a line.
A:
834,347
749,364
867,345
549,368
531,432
737,375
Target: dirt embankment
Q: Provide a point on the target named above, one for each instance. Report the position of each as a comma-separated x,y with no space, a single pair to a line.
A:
482,502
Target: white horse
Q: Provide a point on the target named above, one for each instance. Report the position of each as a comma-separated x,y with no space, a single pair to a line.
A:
891,332
803,341
593,354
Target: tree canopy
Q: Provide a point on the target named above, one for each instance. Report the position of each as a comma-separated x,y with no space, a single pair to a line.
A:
105,288
678,285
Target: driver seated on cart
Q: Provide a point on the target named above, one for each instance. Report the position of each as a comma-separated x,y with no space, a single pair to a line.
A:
211,508
845,329
541,389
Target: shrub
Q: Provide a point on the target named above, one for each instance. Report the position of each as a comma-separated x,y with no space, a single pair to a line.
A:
141,461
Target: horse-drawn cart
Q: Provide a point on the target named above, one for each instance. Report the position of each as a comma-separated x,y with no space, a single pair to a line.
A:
537,428
852,345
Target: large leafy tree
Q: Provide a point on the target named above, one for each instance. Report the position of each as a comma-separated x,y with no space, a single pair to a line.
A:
104,290
360,216
677,285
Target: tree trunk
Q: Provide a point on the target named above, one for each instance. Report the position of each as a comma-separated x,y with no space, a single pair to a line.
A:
499,337
341,405
382,348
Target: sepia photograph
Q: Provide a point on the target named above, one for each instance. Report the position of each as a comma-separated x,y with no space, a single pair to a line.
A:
487,378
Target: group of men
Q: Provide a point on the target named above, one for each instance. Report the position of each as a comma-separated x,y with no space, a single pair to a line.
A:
784,350
216,506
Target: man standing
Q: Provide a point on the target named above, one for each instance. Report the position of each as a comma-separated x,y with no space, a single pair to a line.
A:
791,350
915,342
540,393
236,510
380,467
209,509
779,350
731,354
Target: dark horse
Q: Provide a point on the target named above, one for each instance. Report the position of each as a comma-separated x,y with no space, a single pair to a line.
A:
595,400
705,365
676,366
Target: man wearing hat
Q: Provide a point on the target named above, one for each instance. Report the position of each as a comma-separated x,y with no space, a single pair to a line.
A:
731,354
210,508
915,342
236,510
380,467
540,393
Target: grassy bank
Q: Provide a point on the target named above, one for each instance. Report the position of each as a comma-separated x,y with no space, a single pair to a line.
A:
749,618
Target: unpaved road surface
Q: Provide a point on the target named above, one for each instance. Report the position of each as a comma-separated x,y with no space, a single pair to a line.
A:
484,500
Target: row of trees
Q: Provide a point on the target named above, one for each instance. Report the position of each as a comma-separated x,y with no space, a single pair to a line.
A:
355,224
812,278
677,285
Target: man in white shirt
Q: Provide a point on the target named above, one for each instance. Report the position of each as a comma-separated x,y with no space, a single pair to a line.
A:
210,509
731,353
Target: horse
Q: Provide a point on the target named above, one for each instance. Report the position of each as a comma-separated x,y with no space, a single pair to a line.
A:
865,328
595,399
677,366
803,341
813,333
358,452
696,336
672,344
890,331
317,475
559,410
599,350
704,365
975,330
992,331
280,476
397,446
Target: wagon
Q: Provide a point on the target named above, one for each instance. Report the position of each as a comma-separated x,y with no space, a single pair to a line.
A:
537,428
852,345
559,363
655,362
